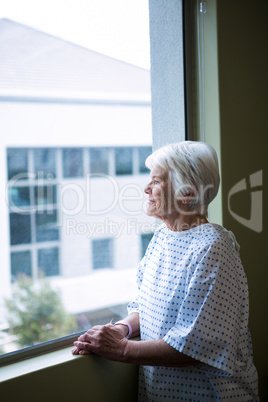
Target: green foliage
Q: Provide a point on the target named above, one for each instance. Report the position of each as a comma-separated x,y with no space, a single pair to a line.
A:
36,313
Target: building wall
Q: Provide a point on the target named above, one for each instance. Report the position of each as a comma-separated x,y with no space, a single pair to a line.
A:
57,126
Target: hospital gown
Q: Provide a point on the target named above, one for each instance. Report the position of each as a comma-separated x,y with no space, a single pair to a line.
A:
193,294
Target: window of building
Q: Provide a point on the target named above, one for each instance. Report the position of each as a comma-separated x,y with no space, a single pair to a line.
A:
19,196
44,162
45,195
48,261
145,240
102,253
143,153
73,164
46,226
123,161
21,263
20,229
17,162
99,160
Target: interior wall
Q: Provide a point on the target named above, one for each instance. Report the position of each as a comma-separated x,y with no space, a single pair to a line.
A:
75,378
235,93
242,57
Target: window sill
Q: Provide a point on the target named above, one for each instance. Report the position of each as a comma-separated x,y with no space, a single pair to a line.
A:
58,375
34,364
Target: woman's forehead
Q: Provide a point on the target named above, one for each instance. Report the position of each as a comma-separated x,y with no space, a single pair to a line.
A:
157,171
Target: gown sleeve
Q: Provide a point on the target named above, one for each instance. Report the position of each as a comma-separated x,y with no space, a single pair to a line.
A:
214,309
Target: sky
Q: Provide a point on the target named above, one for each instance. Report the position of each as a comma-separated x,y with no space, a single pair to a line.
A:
117,28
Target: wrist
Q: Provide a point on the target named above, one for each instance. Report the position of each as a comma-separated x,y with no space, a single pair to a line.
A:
123,329
127,326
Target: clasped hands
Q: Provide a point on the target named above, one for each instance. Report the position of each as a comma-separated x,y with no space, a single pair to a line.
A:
104,340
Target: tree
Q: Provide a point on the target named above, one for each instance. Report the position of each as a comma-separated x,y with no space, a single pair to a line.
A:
36,313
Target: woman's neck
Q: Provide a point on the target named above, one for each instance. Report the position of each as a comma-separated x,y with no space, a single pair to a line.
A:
185,222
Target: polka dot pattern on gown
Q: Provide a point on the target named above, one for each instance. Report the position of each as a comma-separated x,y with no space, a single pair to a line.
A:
193,294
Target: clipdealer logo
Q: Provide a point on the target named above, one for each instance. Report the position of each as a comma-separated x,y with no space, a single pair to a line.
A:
256,201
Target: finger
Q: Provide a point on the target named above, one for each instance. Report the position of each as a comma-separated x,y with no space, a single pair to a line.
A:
82,338
84,352
75,351
82,345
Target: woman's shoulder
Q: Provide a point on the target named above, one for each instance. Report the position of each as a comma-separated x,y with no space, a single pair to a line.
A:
217,239
202,236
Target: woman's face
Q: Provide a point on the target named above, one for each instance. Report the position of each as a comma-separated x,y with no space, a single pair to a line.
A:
161,200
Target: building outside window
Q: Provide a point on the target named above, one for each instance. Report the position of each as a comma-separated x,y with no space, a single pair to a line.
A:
74,208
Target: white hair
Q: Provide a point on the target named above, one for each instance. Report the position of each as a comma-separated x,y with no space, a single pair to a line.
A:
193,167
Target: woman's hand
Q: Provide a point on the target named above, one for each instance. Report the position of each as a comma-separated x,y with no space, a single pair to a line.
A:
104,340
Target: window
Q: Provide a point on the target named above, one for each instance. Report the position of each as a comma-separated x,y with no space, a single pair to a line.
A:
45,195
64,217
123,161
48,261
21,264
102,253
19,196
144,152
73,163
44,162
33,213
20,229
17,162
46,226
99,160
145,240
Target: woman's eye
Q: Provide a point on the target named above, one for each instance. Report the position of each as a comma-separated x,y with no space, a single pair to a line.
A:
156,182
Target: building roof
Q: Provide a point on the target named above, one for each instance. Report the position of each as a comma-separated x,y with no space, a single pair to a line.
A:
34,64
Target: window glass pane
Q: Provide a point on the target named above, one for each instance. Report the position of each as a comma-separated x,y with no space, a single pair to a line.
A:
44,162
46,226
99,160
73,162
123,161
48,261
145,240
143,152
84,232
102,253
17,162
20,229
21,264
19,196
45,195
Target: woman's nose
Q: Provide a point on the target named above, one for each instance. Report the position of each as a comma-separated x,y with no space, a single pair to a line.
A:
147,189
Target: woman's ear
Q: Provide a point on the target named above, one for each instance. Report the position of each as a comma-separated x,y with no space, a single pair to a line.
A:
187,198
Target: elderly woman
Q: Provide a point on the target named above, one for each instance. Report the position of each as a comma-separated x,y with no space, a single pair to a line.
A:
191,308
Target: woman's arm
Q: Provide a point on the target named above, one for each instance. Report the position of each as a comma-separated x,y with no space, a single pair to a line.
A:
156,353
134,321
109,341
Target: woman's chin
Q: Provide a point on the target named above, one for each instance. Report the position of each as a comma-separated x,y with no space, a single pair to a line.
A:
150,211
